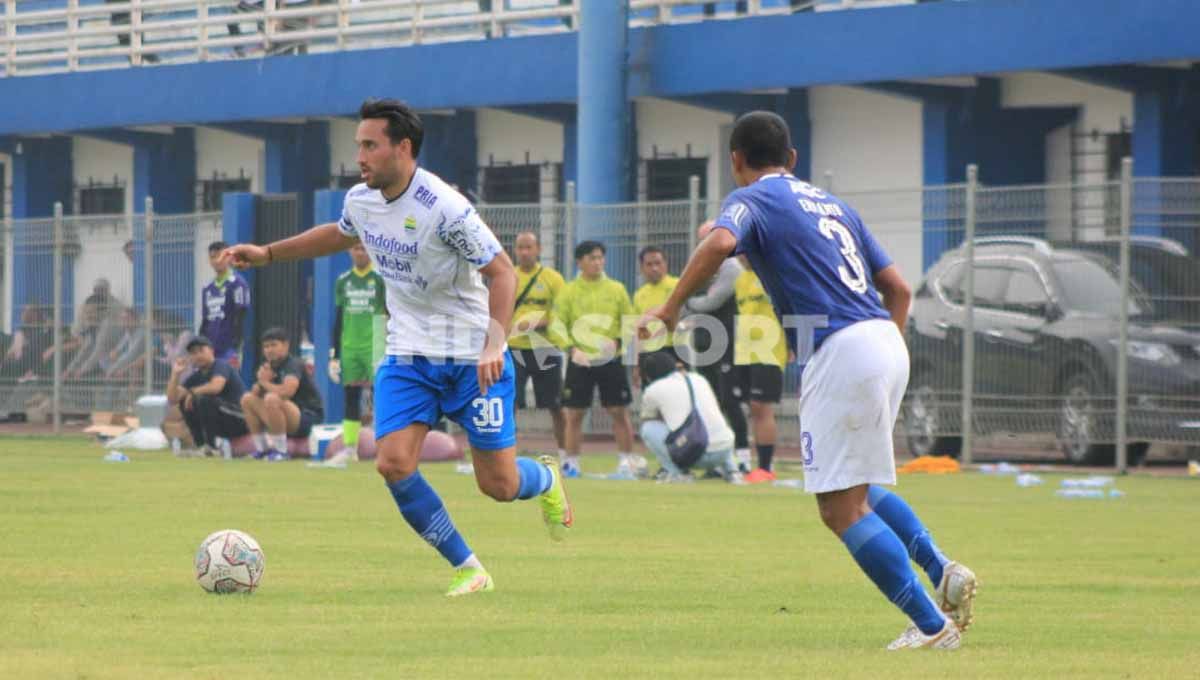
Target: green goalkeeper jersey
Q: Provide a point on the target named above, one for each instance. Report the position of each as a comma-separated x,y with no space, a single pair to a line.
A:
360,298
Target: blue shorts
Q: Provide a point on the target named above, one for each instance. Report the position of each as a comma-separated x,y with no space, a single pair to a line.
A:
412,389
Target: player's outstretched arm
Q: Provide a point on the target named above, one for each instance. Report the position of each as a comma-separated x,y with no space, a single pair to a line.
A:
325,239
705,261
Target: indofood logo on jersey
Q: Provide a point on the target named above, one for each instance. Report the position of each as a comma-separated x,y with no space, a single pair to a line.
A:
389,245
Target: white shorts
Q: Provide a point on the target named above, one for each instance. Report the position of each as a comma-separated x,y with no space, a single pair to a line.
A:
850,396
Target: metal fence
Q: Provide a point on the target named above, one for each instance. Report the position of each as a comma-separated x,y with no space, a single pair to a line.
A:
52,36
1060,318
78,337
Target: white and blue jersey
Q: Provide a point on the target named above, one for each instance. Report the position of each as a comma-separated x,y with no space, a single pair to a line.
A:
812,252
428,244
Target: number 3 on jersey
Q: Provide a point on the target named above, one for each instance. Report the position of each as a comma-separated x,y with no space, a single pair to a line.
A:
491,412
855,277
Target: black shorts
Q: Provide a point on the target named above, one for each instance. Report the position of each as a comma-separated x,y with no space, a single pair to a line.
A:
582,381
547,377
307,420
761,382
726,382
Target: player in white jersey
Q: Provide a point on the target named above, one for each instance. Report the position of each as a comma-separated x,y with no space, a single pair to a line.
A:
446,336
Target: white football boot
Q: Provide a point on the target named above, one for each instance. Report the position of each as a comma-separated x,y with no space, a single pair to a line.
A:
955,595
949,637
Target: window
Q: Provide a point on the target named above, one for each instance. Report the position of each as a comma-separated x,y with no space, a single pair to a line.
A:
991,281
1089,286
667,178
102,200
1117,146
211,191
950,283
1025,293
990,284
512,184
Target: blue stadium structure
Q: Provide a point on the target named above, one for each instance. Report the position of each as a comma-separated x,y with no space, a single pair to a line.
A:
999,83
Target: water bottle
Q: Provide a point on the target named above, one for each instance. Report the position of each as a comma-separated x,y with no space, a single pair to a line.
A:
175,446
309,354
116,457
226,448
1028,480
789,483
1080,493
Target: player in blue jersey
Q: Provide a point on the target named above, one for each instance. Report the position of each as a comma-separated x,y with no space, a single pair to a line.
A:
824,273
223,305
446,352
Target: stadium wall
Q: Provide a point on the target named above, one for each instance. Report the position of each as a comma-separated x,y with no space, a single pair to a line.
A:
1103,110
669,129
506,137
101,162
229,154
872,141
343,153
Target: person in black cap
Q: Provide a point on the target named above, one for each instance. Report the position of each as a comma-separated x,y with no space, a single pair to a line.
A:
209,397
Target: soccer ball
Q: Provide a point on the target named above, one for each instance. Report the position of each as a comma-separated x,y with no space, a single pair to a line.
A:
229,561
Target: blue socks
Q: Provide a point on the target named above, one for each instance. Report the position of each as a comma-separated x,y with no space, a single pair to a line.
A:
900,517
425,513
881,555
536,478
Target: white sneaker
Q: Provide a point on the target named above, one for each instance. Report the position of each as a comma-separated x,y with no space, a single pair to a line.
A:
341,458
625,472
948,637
955,595
639,466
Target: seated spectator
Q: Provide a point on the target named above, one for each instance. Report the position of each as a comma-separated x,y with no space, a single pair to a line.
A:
210,396
24,356
99,333
283,401
128,349
666,404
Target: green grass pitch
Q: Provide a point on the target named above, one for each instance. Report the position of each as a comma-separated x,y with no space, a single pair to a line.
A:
703,580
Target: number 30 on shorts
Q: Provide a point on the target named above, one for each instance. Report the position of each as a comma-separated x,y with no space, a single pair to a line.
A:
491,412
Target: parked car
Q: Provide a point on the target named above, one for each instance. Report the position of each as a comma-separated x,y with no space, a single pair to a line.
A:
1046,346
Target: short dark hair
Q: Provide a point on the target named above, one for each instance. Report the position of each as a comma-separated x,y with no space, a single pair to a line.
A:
198,341
274,333
649,250
762,138
217,246
657,365
584,249
402,122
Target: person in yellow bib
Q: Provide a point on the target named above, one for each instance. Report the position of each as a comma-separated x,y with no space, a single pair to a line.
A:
759,355
658,287
533,342
592,309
